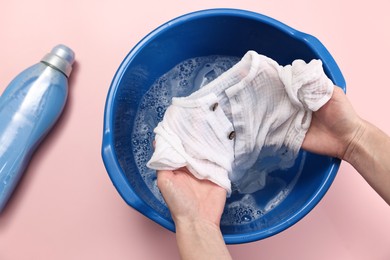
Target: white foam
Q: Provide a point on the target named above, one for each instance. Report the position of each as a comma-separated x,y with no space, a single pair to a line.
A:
241,211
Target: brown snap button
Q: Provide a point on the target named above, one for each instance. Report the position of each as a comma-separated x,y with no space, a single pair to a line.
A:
214,106
232,135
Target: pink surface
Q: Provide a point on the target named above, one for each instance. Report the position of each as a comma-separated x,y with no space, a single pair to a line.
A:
67,208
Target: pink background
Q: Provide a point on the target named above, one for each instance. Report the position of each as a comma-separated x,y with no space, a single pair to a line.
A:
67,208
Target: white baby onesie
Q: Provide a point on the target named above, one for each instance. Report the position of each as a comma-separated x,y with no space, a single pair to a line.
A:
255,109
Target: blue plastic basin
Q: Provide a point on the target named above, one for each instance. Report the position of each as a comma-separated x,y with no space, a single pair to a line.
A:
211,32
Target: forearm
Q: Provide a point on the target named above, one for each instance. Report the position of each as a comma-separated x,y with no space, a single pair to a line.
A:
200,240
369,154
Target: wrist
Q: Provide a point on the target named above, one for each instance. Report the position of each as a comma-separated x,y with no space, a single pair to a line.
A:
357,142
196,224
200,239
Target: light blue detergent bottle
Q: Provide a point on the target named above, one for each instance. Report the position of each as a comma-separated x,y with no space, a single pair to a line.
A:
29,107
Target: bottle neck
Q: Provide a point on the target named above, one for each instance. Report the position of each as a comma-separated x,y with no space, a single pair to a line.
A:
57,63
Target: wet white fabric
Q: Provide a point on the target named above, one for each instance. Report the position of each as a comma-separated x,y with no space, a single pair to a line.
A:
228,130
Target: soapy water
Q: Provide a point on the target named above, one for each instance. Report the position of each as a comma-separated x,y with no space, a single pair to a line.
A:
182,80
245,208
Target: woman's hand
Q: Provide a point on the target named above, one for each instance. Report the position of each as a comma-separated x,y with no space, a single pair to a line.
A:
334,127
191,199
196,207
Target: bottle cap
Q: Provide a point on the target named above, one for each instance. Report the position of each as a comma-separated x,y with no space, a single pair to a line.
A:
61,57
